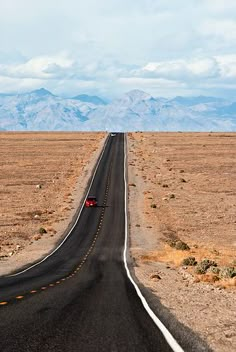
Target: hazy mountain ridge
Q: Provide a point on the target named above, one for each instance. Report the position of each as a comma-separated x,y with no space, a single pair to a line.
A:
93,99
135,110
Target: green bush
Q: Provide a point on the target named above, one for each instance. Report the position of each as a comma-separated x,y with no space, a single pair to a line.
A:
42,230
179,245
189,261
227,272
205,264
214,270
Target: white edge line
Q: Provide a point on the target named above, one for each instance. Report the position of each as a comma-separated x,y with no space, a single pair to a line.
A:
167,335
76,221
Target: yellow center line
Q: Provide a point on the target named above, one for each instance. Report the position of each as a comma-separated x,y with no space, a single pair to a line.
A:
19,297
79,267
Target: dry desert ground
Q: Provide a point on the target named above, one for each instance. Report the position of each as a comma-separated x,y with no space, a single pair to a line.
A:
42,181
182,201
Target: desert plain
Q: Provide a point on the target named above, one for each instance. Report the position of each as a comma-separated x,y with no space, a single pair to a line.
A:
182,201
182,204
42,183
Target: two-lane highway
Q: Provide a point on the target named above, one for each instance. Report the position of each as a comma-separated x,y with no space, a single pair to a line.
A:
80,298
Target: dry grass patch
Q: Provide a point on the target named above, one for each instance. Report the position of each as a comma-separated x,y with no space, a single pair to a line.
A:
204,265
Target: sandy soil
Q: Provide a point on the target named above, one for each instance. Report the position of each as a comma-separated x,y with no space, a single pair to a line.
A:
182,187
42,182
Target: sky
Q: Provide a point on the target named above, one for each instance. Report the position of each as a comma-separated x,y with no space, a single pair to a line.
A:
108,47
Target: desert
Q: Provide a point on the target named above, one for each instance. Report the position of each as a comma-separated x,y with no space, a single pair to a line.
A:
42,183
182,201
182,204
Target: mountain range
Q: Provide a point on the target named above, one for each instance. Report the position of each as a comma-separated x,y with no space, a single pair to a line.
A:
40,110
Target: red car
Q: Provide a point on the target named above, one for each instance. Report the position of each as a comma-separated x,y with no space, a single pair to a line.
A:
91,201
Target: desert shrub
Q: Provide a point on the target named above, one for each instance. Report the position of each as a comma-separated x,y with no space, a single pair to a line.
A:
153,206
132,184
178,244
42,230
227,272
214,270
189,261
172,196
205,264
200,269
171,243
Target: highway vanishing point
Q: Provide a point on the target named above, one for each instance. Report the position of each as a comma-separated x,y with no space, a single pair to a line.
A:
82,297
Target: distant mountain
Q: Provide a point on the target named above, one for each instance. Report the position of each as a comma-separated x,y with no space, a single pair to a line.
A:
191,101
93,99
41,92
135,110
41,110
227,110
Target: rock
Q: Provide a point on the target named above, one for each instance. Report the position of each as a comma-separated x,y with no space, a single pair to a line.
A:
37,237
155,277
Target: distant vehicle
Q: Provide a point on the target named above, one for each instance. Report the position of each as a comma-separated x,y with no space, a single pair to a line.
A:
91,201
113,134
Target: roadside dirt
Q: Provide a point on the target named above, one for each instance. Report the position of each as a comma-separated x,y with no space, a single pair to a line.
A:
42,182
182,191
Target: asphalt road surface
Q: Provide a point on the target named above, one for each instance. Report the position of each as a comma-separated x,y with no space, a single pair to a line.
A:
80,298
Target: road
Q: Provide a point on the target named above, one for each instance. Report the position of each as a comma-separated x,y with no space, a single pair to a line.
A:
80,298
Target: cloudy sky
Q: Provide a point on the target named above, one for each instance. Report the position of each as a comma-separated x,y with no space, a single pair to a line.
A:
107,47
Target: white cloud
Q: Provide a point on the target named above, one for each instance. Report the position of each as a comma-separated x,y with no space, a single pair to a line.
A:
62,73
15,85
182,69
39,67
222,32
227,65
220,7
53,41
